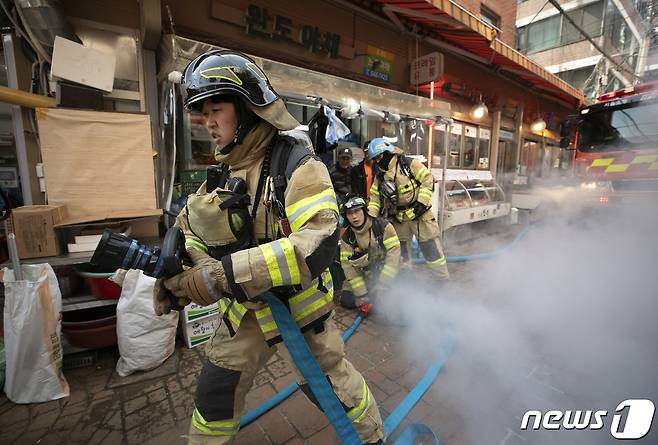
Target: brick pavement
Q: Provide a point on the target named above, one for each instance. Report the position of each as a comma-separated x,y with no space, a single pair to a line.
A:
158,411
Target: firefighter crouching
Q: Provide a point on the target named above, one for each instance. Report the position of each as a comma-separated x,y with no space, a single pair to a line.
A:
369,255
402,192
242,114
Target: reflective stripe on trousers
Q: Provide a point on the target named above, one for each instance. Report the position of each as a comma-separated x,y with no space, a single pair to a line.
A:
357,413
216,428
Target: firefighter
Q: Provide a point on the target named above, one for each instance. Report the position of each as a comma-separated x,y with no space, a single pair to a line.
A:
402,192
341,174
241,248
369,255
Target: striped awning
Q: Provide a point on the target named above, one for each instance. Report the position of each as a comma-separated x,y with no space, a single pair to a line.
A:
450,23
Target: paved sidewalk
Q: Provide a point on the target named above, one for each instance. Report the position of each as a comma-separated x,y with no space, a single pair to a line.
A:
158,411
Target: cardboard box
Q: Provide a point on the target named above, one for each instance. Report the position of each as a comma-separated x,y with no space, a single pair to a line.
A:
145,230
198,332
193,311
34,227
87,66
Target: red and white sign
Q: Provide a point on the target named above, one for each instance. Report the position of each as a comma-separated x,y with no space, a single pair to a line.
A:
427,68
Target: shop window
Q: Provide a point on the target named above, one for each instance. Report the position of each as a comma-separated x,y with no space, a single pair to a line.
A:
544,34
527,158
470,143
438,148
454,149
414,132
297,111
484,143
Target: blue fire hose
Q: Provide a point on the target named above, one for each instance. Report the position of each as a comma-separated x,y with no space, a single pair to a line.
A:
480,256
289,390
398,414
324,393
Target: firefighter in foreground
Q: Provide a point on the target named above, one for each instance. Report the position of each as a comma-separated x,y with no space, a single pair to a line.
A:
402,192
241,248
369,255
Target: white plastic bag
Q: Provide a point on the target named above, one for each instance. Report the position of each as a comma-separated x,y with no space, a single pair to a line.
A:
33,326
145,340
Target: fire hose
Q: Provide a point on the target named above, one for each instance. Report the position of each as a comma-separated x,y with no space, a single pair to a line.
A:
398,414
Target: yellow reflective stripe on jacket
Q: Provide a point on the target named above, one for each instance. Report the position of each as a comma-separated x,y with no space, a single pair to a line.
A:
281,262
192,244
345,255
404,188
357,282
215,428
304,209
234,310
409,213
374,206
301,304
358,413
389,271
391,242
421,174
374,190
425,192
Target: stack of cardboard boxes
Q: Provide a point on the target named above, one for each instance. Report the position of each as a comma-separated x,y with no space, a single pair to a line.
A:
198,323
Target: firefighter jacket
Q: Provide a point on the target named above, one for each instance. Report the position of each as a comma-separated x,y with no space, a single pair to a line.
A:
413,184
297,264
370,255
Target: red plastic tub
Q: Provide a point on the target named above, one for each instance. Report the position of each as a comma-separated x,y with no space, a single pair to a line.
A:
91,328
99,284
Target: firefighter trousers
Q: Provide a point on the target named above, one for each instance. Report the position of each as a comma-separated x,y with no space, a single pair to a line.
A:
427,232
233,362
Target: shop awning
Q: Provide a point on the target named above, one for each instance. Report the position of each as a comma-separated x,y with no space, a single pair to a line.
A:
296,82
450,23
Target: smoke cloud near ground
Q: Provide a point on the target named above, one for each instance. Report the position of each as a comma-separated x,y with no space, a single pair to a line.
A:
566,320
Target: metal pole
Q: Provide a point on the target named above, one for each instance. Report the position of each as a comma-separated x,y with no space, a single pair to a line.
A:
17,120
447,122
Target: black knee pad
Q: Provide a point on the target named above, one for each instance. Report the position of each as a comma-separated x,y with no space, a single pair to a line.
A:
306,389
347,299
215,392
404,252
429,250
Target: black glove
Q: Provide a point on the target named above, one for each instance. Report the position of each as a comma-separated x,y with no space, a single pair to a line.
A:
419,209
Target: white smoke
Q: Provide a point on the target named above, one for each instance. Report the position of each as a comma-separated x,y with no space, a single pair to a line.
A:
566,320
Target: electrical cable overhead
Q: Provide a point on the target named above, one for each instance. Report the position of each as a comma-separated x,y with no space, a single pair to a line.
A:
590,39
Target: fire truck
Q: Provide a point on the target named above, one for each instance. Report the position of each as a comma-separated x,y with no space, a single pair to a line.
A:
615,143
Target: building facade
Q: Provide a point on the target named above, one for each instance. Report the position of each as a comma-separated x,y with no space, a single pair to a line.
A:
622,28
393,69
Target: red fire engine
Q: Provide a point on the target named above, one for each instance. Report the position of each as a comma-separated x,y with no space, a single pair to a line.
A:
616,146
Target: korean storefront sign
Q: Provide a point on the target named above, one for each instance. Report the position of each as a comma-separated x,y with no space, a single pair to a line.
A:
426,69
261,23
378,64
